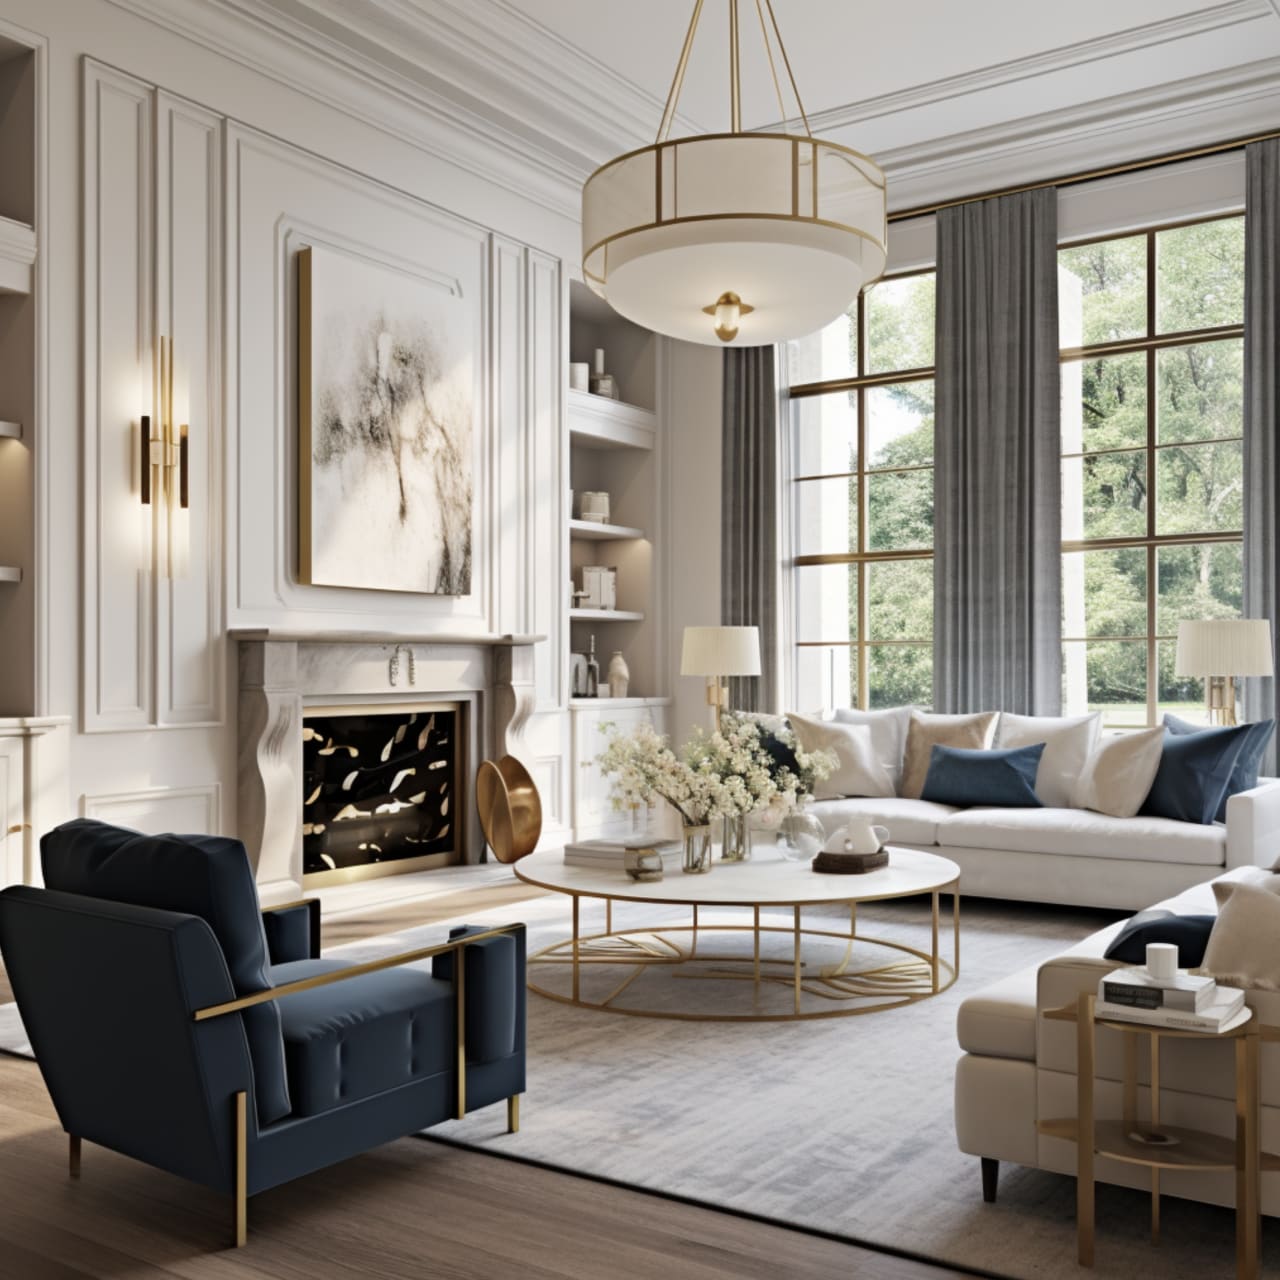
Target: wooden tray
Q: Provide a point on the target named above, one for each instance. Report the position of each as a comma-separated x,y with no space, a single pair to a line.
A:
850,864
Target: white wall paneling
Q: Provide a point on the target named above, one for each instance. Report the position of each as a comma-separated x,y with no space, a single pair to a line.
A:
119,338
158,809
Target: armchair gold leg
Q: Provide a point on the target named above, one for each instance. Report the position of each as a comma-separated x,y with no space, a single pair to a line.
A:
74,1155
513,1113
242,1172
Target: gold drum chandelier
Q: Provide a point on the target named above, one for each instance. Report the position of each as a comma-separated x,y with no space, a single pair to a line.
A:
738,238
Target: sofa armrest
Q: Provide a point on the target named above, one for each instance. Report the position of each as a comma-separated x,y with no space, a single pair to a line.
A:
1060,984
293,930
1253,826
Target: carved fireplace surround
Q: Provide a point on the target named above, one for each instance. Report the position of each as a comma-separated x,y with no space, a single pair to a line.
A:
284,672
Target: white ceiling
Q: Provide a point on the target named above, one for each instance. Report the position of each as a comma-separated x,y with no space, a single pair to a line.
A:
950,96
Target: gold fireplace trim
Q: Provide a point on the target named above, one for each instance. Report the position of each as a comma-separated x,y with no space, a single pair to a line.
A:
401,866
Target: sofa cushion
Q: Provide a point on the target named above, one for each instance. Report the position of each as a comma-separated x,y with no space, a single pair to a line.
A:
858,771
926,730
1189,934
1068,742
1087,835
888,735
1244,777
198,875
1195,768
909,821
370,1033
1119,773
1004,778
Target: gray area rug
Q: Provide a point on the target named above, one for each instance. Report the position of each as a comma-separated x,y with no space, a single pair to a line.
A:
840,1125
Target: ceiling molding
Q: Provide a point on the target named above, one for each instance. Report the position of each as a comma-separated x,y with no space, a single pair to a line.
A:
999,75
1199,111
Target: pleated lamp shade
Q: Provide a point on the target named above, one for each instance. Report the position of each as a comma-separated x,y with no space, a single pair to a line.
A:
720,651
1224,647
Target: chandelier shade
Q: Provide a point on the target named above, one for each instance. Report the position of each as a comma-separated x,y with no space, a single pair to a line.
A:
788,226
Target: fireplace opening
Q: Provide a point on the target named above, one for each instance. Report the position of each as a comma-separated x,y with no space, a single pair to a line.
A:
380,790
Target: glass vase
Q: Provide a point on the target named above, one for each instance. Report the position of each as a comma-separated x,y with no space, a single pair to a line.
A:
736,846
800,836
697,850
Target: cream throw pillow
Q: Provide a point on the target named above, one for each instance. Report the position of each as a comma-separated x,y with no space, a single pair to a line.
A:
1119,773
1068,742
1255,878
858,773
1244,947
888,735
927,731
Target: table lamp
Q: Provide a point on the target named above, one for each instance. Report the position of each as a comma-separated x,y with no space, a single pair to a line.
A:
718,652
1218,650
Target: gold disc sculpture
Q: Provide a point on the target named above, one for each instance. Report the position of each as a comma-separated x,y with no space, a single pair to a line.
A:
510,808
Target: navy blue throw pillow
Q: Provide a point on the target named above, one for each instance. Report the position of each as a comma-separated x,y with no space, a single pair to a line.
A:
1190,934
1003,779
1195,769
1244,777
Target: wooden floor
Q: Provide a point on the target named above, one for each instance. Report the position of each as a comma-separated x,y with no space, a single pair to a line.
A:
410,1209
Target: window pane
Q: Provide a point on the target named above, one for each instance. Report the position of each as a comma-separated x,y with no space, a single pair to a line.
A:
830,353
824,433
1104,495
1198,582
1182,695
1104,593
826,516
1102,292
900,425
900,675
1108,676
900,600
1199,488
900,510
1104,403
826,603
900,324
1200,276
1200,391
824,677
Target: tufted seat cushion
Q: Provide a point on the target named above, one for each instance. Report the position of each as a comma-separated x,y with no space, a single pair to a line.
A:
353,1039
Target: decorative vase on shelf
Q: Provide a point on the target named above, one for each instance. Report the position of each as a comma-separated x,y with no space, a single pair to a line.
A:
800,836
697,849
737,840
619,675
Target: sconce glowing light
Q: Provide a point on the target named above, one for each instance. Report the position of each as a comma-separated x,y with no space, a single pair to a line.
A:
165,477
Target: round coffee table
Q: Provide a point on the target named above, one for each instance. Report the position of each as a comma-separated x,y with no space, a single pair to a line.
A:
765,881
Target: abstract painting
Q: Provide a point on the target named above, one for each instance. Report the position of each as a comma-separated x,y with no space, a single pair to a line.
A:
385,390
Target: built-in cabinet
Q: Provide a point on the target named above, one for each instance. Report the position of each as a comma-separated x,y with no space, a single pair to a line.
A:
593,813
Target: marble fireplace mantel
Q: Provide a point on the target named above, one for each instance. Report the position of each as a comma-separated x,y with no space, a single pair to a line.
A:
282,672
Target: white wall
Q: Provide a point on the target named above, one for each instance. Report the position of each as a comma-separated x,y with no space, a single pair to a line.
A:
199,177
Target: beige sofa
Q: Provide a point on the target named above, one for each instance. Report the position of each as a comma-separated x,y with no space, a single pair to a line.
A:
1018,1068
1074,856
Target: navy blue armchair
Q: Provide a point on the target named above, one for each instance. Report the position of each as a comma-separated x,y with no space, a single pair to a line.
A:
177,1023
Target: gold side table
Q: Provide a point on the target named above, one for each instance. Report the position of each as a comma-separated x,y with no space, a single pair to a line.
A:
1157,1146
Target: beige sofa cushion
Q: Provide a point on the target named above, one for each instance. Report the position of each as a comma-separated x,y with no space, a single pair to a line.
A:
926,731
1086,835
1119,773
909,821
1068,743
858,771
888,735
1244,947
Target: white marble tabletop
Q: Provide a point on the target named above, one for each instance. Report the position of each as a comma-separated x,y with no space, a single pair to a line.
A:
767,879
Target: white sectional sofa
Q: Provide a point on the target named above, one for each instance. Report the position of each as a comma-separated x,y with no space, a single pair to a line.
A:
1074,856
1018,1067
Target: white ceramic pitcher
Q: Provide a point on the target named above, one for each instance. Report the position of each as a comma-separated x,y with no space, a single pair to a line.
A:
860,836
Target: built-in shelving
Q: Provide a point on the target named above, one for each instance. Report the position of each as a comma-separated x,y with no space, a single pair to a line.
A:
599,423
594,531
605,615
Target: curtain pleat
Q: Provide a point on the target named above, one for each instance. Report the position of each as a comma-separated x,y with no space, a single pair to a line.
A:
997,477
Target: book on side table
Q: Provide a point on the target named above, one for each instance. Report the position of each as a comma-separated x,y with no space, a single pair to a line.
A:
1162,995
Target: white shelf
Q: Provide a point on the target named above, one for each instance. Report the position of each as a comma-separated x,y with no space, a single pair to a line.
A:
8,573
604,615
10,431
587,704
598,423
594,531
17,253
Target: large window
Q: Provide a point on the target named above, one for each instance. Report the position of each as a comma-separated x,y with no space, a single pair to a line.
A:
862,500
1151,332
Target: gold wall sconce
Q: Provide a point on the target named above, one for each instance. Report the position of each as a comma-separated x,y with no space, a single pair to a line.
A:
165,476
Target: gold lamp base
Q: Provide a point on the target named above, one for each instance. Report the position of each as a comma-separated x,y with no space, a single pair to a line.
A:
1220,699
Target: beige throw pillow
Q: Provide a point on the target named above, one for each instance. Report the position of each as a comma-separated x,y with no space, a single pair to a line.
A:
858,773
1068,740
1119,773
1254,877
1244,947
926,731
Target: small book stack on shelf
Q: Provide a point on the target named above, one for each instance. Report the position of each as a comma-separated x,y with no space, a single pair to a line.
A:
609,855
1162,995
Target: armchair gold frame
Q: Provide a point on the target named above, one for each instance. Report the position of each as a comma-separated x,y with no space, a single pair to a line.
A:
241,1101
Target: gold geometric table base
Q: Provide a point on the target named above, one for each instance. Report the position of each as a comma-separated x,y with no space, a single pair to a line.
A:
918,975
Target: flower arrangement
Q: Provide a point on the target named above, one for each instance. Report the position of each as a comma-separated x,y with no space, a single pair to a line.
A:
795,772
727,774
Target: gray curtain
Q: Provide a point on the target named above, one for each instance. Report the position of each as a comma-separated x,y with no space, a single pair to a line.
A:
749,514
1261,407
997,487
